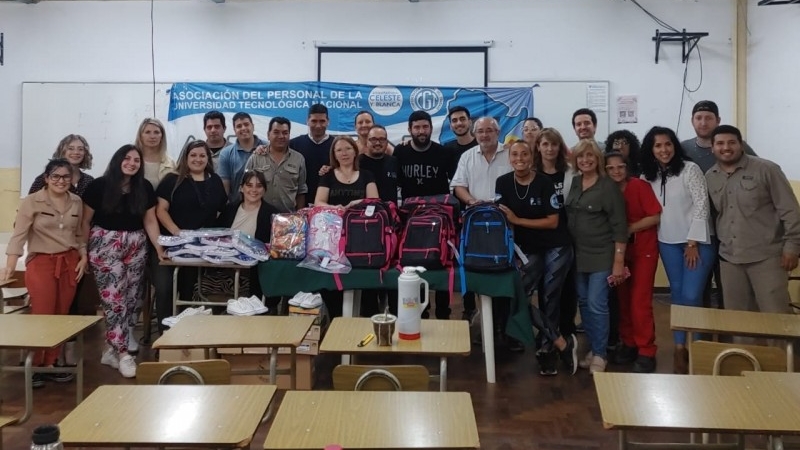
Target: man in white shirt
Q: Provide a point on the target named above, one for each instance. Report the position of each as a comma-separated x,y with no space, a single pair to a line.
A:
479,167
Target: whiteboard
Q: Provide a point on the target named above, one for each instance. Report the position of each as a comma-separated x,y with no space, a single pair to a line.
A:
384,66
106,114
555,101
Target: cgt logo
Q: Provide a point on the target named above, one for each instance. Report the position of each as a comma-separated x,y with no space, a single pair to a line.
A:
427,99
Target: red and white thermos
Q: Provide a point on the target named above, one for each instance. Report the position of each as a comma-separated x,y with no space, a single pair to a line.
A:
409,308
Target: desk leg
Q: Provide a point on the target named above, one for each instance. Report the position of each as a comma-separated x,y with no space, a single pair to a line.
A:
79,347
293,370
236,284
487,335
175,290
348,310
790,356
28,389
273,366
443,374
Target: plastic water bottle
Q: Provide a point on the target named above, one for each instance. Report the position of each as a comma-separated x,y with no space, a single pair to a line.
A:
46,437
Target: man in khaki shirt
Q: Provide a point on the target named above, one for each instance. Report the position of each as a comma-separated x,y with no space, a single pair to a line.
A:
758,225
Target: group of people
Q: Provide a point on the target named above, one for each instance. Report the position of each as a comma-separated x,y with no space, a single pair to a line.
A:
591,220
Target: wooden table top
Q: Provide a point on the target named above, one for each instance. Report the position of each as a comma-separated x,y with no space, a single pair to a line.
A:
742,323
438,338
202,331
662,402
169,415
372,420
790,381
20,331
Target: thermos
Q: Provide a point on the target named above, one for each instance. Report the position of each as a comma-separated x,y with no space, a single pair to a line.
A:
409,308
46,437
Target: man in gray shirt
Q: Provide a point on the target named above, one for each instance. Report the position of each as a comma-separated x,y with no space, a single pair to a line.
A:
758,225
705,117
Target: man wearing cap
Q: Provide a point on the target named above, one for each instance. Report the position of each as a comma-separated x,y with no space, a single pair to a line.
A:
705,117
758,225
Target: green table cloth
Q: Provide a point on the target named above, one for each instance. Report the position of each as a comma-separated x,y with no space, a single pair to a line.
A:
283,278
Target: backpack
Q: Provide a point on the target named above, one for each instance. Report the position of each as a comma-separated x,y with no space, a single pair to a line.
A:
487,240
429,237
370,240
449,203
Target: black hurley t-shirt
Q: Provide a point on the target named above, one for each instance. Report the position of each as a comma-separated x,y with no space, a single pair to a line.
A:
121,219
425,173
385,172
194,204
341,194
534,201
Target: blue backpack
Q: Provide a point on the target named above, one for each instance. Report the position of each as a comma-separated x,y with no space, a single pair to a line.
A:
487,241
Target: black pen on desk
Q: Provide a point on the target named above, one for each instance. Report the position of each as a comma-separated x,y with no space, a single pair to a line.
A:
367,339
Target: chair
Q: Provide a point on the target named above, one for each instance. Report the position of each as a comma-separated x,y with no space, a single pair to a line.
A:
380,378
716,358
5,421
14,297
211,371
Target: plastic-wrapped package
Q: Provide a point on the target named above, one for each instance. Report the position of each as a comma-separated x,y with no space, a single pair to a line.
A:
224,241
324,247
207,233
221,251
172,241
239,259
288,239
187,259
250,246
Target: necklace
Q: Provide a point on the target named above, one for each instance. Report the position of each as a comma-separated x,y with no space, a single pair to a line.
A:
527,189
64,205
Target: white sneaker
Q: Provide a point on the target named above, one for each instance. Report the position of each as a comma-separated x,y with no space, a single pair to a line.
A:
311,301
133,343
127,366
110,358
171,321
598,365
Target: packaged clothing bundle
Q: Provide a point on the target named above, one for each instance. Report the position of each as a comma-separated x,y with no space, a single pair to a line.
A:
288,239
324,243
214,245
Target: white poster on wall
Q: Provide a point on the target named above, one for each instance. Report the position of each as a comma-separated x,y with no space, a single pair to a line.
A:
597,96
628,109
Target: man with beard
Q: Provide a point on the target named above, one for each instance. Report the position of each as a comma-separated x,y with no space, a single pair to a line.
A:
461,124
757,222
425,168
382,165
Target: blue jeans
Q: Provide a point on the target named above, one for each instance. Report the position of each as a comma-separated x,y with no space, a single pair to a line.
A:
592,290
686,286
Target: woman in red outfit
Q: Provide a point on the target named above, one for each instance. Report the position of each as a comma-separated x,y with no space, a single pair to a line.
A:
636,325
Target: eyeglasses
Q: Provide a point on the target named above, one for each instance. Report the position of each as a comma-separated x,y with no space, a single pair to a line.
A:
56,177
375,140
620,142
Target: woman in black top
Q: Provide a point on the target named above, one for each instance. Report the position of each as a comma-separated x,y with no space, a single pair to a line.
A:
530,203
118,216
252,216
345,185
190,199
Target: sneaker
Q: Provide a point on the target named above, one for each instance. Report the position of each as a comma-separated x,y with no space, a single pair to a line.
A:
586,361
569,356
310,301
133,343
110,358
37,380
471,317
547,363
598,364
514,345
60,377
127,366
625,354
171,321
644,364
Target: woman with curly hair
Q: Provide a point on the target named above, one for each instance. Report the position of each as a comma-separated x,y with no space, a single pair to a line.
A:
75,149
626,143
684,234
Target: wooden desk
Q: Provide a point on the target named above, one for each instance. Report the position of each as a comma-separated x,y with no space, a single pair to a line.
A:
696,403
169,415
374,420
212,332
440,338
790,382
38,332
738,323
